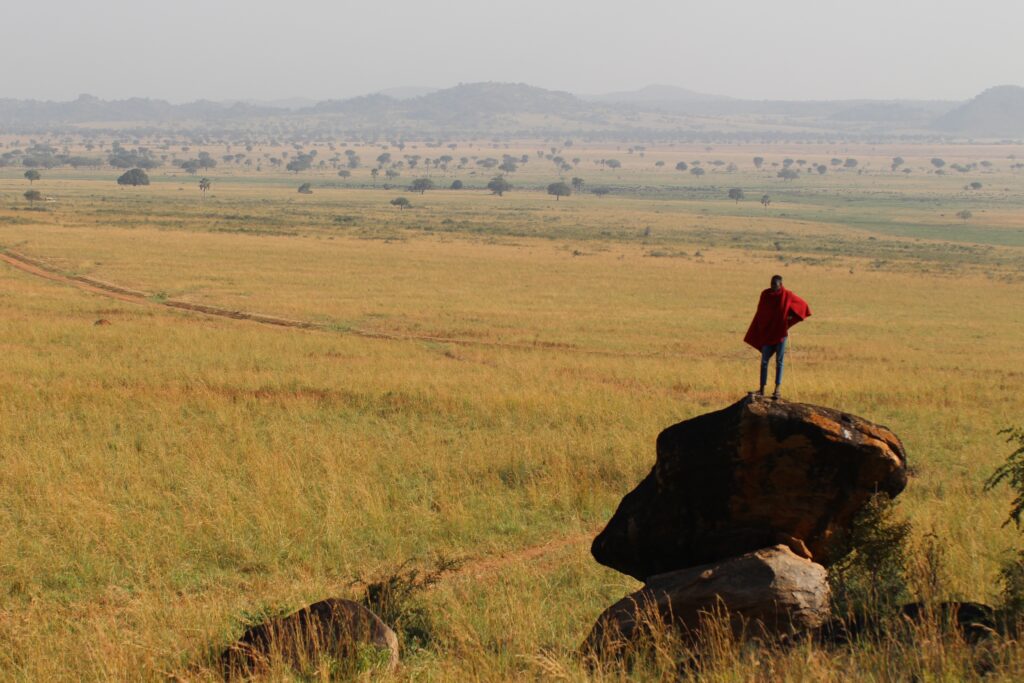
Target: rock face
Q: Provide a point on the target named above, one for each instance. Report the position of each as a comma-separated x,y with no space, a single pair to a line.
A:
767,592
755,474
336,627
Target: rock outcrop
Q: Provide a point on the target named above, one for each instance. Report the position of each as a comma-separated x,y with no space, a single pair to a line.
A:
766,592
753,475
341,629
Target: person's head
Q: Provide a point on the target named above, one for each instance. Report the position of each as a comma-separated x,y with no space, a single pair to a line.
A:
776,283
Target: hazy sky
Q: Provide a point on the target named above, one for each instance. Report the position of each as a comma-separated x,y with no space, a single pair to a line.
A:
232,49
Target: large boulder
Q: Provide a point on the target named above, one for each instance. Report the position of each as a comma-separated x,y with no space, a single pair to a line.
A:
350,634
752,475
768,592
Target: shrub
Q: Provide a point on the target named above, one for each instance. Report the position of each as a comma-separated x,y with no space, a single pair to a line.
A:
871,576
1011,472
395,598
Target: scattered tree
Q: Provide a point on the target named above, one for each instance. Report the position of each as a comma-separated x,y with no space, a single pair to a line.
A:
305,188
736,194
559,190
421,185
577,184
681,166
133,177
401,202
32,175
697,171
344,173
896,162
788,174
499,185
765,201
758,162
964,215
204,185
937,162
601,191
975,185
456,185
850,163
33,196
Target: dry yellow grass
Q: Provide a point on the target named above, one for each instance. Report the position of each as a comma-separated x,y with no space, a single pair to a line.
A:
168,474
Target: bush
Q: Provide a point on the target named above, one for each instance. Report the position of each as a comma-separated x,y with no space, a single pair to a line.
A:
133,177
872,575
395,598
456,185
1011,472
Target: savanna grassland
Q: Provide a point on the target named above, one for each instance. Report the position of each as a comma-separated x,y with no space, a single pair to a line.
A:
486,380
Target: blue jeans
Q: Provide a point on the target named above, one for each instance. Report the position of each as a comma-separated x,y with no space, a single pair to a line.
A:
779,351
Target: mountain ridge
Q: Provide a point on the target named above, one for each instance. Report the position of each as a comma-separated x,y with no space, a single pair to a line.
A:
996,112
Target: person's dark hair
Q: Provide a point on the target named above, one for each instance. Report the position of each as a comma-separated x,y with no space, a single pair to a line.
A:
776,278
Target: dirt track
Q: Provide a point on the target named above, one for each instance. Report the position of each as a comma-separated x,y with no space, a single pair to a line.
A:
42,269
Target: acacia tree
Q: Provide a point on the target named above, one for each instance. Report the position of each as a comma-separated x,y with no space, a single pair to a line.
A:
765,201
559,190
681,166
32,196
758,162
577,184
499,185
32,175
736,194
204,185
964,215
421,185
401,202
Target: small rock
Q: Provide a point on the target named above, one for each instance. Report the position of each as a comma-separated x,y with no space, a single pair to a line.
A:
335,627
767,592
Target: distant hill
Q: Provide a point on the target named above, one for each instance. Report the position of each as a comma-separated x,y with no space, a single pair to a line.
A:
466,104
655,95
89,109
473,101
406,92
997,112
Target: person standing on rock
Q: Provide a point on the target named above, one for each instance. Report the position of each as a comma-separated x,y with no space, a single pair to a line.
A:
777,311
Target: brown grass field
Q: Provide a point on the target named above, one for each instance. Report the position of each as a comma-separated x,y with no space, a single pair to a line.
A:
172,476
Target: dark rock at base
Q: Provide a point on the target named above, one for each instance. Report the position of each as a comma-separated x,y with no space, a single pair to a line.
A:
755,474
974,622
341,629
768,592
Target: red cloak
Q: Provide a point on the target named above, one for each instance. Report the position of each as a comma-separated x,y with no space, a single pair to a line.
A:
777,311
